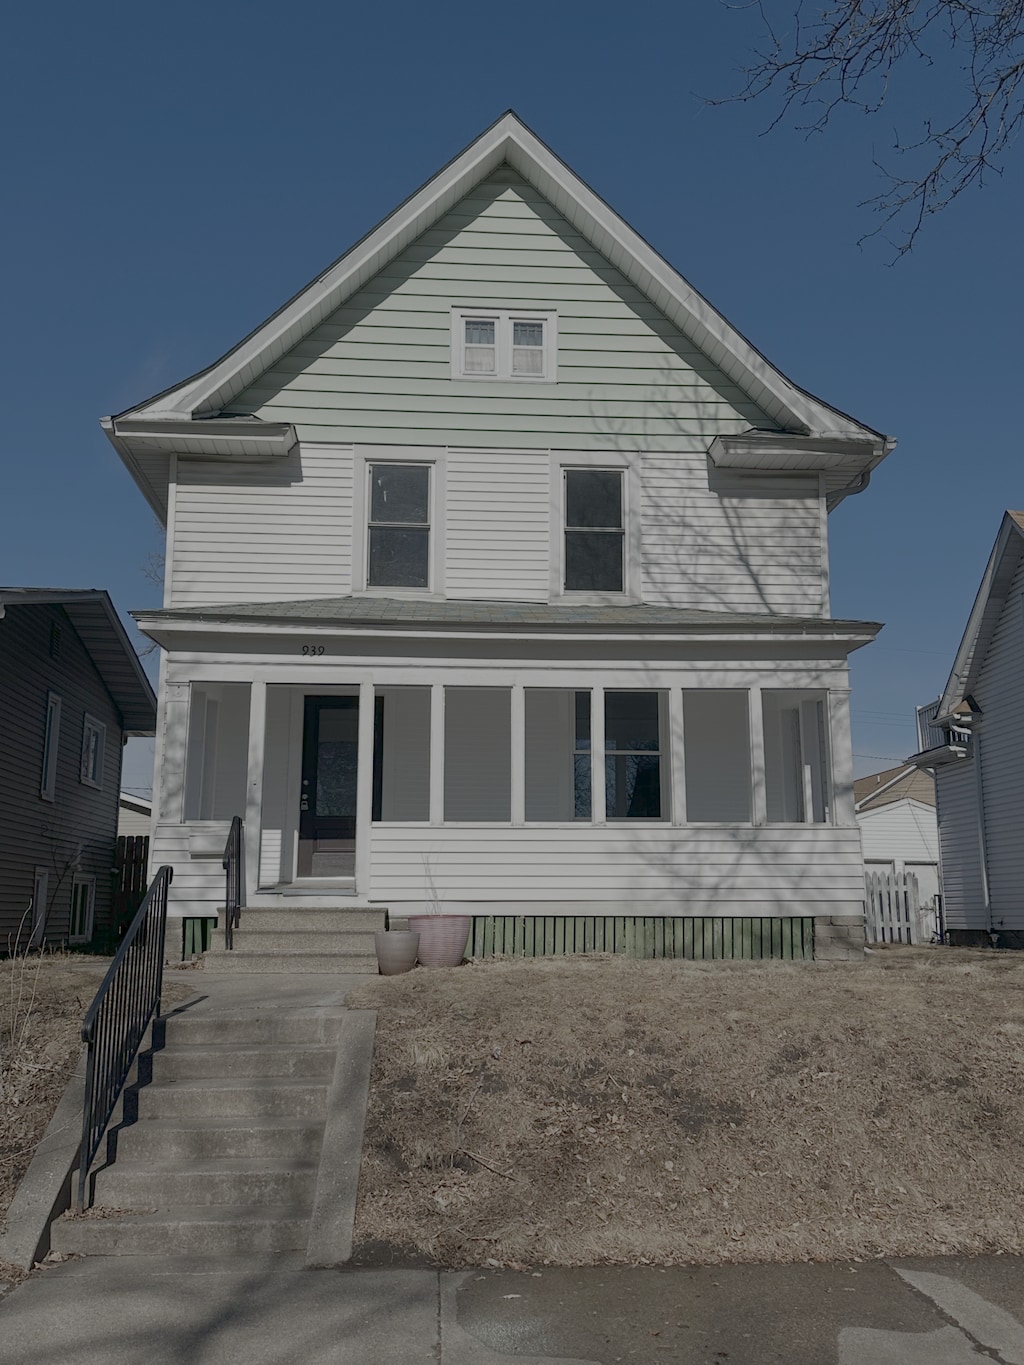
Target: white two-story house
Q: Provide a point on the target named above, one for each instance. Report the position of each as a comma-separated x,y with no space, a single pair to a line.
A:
497,579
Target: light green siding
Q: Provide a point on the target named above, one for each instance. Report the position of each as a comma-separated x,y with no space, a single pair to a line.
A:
379,368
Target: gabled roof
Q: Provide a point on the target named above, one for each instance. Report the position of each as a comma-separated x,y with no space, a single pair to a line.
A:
96,623
146,435
894,784
988,605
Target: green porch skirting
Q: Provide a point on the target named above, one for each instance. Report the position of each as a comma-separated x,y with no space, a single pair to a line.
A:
684,936
197,935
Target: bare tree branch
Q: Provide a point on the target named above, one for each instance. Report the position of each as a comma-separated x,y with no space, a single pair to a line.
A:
852,53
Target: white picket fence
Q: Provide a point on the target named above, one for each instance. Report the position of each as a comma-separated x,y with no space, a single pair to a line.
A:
894,913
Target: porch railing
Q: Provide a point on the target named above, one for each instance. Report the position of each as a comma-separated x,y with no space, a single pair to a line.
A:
233,877
118,1017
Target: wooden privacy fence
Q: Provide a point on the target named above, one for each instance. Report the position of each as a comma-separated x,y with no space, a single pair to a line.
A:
642,936
894,910
130,863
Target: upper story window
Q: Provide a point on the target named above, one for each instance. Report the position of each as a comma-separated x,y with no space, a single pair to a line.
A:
503,344
51,744
594,530
398,551
94,737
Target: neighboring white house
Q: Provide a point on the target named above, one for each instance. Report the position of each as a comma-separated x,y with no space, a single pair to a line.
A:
896,813
497,504
973,740
134,815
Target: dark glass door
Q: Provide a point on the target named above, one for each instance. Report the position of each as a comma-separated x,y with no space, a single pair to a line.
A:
327,808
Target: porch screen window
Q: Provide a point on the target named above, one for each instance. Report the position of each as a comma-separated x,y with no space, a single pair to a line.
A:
632,758
401,755
716,745
477,754
796,757
557,764
594,530
399,530
217,754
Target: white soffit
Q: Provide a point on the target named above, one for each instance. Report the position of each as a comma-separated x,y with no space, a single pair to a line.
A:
508,140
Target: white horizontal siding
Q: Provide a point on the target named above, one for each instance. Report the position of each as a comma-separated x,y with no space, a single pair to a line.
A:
901,830
1000,694
268,531
498,524
655,869
963,894
378,369
197,887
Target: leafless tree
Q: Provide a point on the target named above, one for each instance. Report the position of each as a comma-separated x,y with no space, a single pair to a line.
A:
853,53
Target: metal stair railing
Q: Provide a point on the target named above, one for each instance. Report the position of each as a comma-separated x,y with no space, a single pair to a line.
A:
233,890
117,1019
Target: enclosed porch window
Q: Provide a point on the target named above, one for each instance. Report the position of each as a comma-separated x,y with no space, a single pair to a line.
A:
216,756
716,744
477,754
796,757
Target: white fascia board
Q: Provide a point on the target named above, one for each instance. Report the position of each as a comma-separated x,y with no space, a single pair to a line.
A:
509,140
163,630
964,671
143,469
872,796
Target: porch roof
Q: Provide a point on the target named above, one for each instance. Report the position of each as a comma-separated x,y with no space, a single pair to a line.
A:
419,613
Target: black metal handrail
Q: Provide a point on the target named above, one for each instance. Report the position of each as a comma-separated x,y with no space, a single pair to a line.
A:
118,1017
233,889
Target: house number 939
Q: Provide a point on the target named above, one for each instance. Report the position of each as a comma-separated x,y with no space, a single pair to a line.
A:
312,649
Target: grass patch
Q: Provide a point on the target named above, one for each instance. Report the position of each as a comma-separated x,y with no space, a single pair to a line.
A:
608,1111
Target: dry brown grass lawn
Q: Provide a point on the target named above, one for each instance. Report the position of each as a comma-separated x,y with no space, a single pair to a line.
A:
602,1110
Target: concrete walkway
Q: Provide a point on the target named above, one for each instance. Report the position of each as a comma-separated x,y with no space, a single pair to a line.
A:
159,1311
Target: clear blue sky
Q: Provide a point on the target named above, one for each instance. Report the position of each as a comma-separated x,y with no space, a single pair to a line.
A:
172,173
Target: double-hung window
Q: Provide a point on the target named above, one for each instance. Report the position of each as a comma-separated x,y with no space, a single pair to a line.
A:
51,744
503,344
398,533
594,530
94,736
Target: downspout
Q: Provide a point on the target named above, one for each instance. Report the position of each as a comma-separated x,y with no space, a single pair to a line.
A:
979,805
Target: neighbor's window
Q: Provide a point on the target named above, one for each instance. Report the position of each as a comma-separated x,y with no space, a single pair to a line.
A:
398,554
94,736
796,757
51,744
632,755
594,530
83,906
716,745
503,344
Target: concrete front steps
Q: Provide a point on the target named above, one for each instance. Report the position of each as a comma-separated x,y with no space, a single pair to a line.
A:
300,938
224,1155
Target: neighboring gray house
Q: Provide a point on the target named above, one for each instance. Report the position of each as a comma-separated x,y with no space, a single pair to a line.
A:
71,689
896,813
973,740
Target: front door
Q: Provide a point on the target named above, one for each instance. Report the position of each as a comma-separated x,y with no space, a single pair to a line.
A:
327,808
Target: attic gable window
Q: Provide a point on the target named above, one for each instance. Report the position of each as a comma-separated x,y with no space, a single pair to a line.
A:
503,344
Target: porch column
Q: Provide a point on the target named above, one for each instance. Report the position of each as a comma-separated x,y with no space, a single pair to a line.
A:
437,754
597,805
518,728
364,788
171,744
254,784
677,756
842,757
758,790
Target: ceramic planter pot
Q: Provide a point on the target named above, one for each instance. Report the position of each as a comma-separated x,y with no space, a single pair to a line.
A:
443,938
397,950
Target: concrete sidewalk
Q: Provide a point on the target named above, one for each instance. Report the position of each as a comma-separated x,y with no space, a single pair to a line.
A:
159,1311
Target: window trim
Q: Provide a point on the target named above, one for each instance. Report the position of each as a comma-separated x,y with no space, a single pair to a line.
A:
87,880
51,748
628,463
503,318
423,455
91,726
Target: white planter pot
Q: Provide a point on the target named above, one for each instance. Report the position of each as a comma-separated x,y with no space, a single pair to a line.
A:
443,938
397,950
